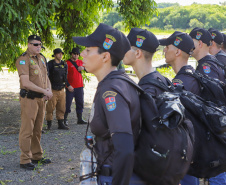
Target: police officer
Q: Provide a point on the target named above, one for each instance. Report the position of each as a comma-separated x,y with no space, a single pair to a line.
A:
75,86
58,77
143,46
217,43
179,46
207,64
35,85
115,115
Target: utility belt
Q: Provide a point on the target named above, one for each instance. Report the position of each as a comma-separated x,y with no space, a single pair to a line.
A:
58,87
30,94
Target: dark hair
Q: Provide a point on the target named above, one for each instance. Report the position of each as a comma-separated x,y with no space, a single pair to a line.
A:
114,61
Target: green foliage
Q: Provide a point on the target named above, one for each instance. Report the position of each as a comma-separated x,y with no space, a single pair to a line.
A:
188,17
165,5
21,18
136,12
167,72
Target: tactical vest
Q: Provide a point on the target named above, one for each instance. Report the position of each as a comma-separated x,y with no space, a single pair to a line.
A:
58,75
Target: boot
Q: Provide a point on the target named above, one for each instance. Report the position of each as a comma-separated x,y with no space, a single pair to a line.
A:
49,124
61,125
80,120
65,119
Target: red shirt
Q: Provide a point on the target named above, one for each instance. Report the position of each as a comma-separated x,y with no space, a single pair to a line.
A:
74,77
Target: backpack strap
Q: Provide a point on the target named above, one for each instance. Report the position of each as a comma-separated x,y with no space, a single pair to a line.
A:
160,84
74,64
131,82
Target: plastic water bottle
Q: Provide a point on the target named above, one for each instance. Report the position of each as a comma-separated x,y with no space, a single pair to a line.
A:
86,163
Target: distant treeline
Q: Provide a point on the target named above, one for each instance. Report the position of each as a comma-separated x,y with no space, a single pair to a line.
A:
175,16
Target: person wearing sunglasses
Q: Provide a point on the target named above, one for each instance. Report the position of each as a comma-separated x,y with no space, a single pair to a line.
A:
35,89
75,86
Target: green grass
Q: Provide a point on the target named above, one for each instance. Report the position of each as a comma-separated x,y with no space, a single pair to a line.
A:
167,72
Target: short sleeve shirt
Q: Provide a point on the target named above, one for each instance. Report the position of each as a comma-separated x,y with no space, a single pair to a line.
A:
189,82
115,109
34,67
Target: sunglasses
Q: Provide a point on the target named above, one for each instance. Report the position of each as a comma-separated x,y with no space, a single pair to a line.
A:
36,44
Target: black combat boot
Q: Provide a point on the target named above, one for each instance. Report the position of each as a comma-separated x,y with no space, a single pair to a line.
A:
80,120
49,124
65,119
61,125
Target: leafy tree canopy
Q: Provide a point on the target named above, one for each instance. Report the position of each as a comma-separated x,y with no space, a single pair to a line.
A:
20,18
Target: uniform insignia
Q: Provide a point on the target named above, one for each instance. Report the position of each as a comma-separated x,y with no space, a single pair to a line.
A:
36,72
110,103
109,97
206,69
139,42
198,36
213,35
177,82
108,42
92,112
22,62
32,62
42,61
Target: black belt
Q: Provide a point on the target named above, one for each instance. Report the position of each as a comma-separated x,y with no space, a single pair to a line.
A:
30,94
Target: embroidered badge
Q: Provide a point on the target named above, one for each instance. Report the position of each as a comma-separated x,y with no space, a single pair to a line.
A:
110,103
22,62
92,112
213,35
177,82
36,72
32,62
108,42
206,69
140,40
198,36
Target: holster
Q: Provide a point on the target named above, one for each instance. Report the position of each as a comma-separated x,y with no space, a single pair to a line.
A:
30,94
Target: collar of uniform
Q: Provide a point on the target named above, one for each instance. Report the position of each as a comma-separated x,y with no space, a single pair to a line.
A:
30,55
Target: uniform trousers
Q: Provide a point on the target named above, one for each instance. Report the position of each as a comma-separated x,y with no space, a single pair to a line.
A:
32,117
58,102
78,94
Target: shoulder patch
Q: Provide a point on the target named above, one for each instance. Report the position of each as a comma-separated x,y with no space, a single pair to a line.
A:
177,82
206,68
23,54
22,62
110,100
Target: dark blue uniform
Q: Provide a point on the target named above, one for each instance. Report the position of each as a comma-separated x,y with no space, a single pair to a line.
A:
115,122
221,57
208,66
152,89
190,83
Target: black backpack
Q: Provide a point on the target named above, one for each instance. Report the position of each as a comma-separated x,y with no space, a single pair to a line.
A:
212,89
209,122
164,149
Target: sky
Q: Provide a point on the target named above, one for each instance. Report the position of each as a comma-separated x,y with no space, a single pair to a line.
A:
189,2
